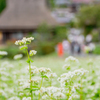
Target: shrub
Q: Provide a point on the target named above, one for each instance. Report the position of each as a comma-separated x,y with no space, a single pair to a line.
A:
12,51
97,50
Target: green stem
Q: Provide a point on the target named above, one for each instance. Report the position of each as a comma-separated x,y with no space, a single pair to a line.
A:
50,82
30,75
51,97
40,87
69,93
81,90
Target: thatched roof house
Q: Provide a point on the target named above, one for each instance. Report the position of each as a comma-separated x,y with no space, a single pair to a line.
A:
25,15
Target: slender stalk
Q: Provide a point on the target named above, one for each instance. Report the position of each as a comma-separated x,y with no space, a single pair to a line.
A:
30,75
81,94
51,97
40,87
69,93
50,82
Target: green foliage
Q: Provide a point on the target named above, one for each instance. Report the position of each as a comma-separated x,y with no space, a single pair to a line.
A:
97,50
47,48
2,5
12,51
60,33
95,36
89,17
52,4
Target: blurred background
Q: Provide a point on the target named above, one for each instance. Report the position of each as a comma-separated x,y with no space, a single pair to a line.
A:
67,27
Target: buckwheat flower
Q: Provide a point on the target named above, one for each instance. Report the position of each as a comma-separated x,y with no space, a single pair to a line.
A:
20,42
70,58
26,85
32,52
66,66
19,56
73,90
76,86
55,92
45,97
36,79
21,94
24,40
3,53
43,90
75,96
30,39
59,95
51,75
28,98
14,98
44,70
10,66
2,92
34,70
37,92
23,47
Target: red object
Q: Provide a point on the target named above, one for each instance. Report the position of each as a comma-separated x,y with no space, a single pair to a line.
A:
60,49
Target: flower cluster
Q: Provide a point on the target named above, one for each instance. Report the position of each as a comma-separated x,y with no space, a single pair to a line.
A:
70,58
28,98
53,92
3,53
24,41
67,77
19,56
32,52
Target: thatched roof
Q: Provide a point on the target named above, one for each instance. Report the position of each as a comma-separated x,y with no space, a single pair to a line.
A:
25,14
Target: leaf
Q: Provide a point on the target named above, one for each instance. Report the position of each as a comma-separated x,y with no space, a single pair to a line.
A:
44,76
35,87
29,60
23,48
27,89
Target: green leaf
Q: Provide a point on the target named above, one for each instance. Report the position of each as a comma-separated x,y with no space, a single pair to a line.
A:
29,60
44,76
35,87
27,89
23,48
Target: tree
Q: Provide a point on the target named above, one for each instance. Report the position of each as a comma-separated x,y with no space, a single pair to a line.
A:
2,5
89,18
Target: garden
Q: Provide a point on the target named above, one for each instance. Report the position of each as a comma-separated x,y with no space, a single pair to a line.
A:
48,77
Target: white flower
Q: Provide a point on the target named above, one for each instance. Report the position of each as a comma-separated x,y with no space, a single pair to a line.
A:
14,98
44,97
34,69
44,70
28,98
66,66
51,75
19,56
67,77
70,58
3,53
32,52
24,41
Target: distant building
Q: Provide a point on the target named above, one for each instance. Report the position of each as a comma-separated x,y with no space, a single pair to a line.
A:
82,1
63,15
23,16
67,2
62,2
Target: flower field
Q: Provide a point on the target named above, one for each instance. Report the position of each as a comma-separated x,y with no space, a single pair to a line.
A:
49,77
